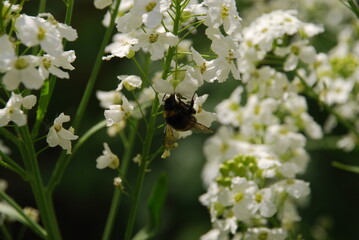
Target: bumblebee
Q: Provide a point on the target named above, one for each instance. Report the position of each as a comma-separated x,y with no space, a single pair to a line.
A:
179,116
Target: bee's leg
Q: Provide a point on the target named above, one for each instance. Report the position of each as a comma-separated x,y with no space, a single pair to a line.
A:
192,104
163,98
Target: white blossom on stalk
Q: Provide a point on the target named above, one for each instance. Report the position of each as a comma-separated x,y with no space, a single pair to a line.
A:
51,64
101,4
7,52
227,50
12,111
228,110
107,159
223,12
337,90
130,82
156,43
122,46
116,113
181,83
6,150
108,98
204,70
65,30
35,30
297,51
266,233
128,22
58,135
151,11
23,70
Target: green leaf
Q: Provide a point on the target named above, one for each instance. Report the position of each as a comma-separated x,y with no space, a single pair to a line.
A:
155,204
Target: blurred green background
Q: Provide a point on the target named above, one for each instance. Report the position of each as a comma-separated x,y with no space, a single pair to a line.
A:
83,198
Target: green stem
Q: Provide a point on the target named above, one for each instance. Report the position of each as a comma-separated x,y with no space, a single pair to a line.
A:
64,158
30,161
5,232
42,6
10,164
116,199
346,167
95,70
26,219
142,170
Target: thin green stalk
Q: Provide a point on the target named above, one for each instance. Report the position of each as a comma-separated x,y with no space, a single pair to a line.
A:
142,170
64,158
9,163
5,232
88,134
27,220
30,161
42,6
95,70
116,199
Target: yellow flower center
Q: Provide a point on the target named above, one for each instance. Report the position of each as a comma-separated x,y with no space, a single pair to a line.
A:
41,34
153,37
150,6
238,197
21,63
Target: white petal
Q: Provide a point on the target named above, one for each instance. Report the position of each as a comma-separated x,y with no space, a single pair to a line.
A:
29,101
52,138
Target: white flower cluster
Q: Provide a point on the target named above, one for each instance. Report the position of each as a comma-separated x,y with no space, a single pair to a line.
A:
253,160
23,73
334,77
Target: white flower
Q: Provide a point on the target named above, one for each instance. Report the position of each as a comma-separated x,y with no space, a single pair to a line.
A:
50,64
282,140
202,116
296,188
35,30
23,70
241,197
101,4
5,150
156,43
60,136
213,234
122,46
227,51
347,142
7,52
337,91
264,203
108,98
151,11
130,82
128,22
181,83
266,82
107,159
117,113
3,184
265,233
13,112
205,70
223,12
228,110
298,50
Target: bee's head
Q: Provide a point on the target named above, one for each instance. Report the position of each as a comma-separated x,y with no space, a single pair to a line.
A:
171,102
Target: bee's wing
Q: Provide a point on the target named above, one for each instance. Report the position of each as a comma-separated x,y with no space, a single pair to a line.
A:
200,128
170,138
